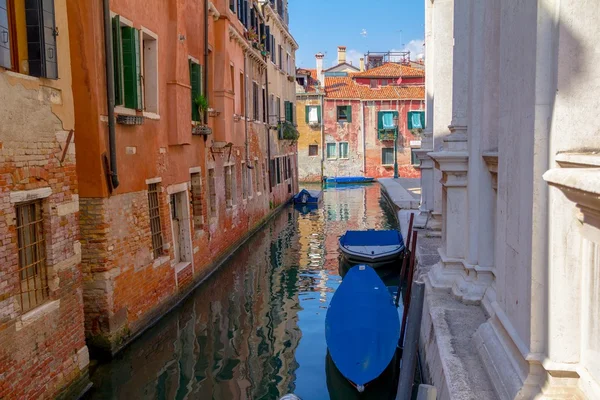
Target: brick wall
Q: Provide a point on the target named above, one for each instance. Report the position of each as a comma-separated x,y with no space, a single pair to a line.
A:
42,350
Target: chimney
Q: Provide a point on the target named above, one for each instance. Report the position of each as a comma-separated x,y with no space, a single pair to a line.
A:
362,64
320,77
341,54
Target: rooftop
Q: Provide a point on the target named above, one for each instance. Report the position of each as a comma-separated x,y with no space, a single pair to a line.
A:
345,87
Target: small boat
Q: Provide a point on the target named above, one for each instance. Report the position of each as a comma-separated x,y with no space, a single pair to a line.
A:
375,248
362,327
308,197
348,179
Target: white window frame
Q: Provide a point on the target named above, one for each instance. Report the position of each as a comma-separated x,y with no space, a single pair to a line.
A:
150,81
340,150
335,146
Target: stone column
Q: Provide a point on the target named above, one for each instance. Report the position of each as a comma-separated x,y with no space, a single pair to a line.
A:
426,163
442,28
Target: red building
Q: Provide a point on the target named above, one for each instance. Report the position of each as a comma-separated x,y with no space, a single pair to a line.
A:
358,116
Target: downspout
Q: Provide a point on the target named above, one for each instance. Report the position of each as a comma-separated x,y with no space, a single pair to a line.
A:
246,112
362,121
110,93
322,136
268,125
205,77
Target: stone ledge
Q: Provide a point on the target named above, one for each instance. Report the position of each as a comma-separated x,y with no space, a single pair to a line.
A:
398,195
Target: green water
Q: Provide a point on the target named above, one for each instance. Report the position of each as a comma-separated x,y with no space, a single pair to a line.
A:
255,329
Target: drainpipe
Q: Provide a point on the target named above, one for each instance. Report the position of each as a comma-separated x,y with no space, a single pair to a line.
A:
206,69
362,122
246,112
268,128
110,93
322,136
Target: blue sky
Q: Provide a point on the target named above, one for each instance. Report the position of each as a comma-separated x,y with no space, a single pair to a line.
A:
322,25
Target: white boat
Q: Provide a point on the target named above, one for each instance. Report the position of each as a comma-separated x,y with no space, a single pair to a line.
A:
371,247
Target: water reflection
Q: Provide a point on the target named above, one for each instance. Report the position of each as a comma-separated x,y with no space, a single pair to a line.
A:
255,330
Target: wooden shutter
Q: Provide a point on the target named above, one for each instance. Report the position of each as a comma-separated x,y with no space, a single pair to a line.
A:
409,120
41,40
4,36
196,88
252,19
49,36
306,112
348,113
422,119
138,69
130,78
380,120
117,60
319,114
268,39
287,110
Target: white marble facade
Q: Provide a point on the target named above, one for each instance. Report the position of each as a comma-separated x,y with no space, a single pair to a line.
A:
511,176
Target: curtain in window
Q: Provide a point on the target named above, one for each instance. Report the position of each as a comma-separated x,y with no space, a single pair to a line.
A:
388,120
331,150
416,120
313,115
344,150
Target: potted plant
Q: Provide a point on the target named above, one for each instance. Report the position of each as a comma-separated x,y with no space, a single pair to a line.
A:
417,131
201,128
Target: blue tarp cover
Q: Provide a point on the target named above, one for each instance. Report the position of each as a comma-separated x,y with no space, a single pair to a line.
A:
362,326
372,238
312,196
349,179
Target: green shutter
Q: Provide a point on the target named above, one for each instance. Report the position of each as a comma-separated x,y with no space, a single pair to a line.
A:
306,110
117,60
409,120
196,84
423,119
380,120
130,75
288,111
138,69
348,113
319,114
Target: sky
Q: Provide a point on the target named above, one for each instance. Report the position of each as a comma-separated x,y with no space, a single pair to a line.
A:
361,26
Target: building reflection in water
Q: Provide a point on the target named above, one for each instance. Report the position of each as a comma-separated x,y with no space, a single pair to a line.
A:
255,329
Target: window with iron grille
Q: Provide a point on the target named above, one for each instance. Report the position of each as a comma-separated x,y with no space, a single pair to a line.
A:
155,227
196,194
387,156
33,275
228,187
244,182
212,191
313,150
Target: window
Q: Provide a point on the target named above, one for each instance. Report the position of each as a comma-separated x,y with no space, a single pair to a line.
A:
256,178
264,175
387,156
244,182
278,107
128,63
28,38
289,166
274,51
416,120
232,77
313,150
255,103
196,84
150,74
344,113
272,172
384,82
373,84
232,4
33,275
278,168
242,96
196,195
264,105
280,58
331,150
155,228
212,191
300,80
414,160
289,111
230,186
313,114
343,149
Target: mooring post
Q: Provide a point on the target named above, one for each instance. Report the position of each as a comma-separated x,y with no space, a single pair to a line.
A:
411,344
408,299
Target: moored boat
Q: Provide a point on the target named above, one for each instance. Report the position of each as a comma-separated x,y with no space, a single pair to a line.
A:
377,248
348,179
306,196
362,327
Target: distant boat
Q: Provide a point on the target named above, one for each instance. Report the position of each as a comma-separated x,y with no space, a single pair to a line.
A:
362,327
348,179
377,248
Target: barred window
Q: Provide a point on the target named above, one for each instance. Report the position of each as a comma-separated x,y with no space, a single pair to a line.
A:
155,227
33,275
212,191
196,189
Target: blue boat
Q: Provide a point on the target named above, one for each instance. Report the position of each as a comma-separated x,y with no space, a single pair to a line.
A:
362,327
348,179
375,248
308,197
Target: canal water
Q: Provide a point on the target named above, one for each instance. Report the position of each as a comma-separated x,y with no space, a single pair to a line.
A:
256,328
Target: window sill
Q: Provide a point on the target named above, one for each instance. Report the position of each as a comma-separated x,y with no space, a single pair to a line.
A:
125,111
343,158
37,313
331,159
387,165
151,115
160,261
21,76
180,266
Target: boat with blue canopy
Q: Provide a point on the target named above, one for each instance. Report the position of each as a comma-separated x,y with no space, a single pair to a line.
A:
306,196
377,248
362,327
348,179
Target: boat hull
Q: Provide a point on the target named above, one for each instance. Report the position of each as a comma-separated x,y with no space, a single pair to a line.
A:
378,249
340,180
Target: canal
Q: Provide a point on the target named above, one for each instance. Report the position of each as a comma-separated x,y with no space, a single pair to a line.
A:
255,328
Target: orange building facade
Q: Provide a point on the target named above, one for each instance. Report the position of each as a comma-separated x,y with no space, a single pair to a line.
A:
200,156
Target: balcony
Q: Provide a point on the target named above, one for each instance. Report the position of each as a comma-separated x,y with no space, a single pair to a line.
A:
387,134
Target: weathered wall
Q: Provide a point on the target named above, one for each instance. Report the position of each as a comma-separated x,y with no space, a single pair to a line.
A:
309,167
350,132
42,351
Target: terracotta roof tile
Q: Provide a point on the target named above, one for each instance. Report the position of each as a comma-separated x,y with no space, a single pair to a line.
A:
391,70
344,87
